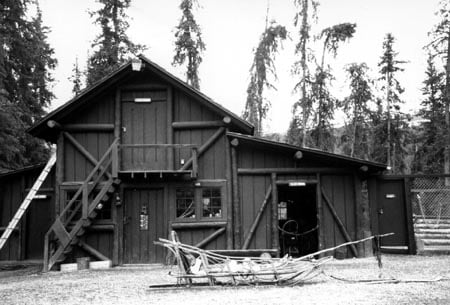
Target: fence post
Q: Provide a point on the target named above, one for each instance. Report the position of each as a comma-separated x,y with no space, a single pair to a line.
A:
409,216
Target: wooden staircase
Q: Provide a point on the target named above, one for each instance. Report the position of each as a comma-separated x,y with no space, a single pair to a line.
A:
71,224
432,236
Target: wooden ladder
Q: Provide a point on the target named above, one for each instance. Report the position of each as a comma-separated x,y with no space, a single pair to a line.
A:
26,202
67,229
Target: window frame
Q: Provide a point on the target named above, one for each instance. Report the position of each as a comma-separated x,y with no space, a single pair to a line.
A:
73,187
198,196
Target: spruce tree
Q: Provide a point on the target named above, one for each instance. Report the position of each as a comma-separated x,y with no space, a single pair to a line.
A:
112,47
26,60
393,122
189,45
75,78
429,156
257,106
302,108
356,107
440,35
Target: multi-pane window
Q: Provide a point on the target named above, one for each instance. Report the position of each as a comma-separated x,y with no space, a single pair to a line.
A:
211,202
200,202
103,209
185,203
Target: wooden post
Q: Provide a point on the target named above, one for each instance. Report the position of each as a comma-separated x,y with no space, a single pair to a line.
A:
46,252
115,161
117,114
59,174
85,202
412,248
23,225
229,202
194,162
320,224
257,219
275,237
236,201
170,152
92,251
359,215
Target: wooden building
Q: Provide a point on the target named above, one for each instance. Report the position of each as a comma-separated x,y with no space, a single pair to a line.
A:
141,153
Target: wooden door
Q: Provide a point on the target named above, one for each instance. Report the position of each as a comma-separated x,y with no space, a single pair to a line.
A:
144,121
144,223
392,216
38,221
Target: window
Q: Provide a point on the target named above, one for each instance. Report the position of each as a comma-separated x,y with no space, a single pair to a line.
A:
200,202
103,208
211,202
185,203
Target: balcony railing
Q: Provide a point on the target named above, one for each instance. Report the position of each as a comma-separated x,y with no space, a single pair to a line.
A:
158,158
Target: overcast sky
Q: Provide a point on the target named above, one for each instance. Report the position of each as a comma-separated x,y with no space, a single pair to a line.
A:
231,29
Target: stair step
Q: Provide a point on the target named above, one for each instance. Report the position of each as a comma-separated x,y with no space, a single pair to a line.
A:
435,250
432,226
68,250
432,231
433,236
432,221
436,242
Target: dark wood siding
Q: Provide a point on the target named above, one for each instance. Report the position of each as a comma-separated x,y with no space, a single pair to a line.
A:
76,166
27,242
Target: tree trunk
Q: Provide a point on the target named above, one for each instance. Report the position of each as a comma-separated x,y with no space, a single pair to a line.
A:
388,100
305,110
447,115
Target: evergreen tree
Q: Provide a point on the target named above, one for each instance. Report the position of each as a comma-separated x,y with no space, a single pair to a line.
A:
257,106
302,108
189,45
429,156
76,78
26,60
112,47
356,107
394,139
332,37
440,43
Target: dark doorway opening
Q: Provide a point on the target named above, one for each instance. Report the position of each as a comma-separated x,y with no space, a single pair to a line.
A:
297,219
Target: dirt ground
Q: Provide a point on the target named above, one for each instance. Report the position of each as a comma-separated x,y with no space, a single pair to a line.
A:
130,285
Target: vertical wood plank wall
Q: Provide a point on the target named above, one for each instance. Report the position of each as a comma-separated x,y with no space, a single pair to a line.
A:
12,192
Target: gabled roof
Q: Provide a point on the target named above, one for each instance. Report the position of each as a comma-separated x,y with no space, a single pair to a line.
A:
349,161
40,129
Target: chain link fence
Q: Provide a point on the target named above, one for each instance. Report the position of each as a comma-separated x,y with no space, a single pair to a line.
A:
431,197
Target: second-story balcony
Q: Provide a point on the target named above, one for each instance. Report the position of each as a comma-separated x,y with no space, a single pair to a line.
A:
157,159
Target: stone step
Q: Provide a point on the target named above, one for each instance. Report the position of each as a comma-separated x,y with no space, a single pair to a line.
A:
432,235
431,231
434,250
432,221
432,226
436,242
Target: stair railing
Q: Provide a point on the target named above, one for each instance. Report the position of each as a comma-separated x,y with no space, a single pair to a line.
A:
85,190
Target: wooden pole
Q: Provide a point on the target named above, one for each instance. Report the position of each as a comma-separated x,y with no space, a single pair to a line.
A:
304,170
229,195
320,223
257,219
236,202
412,247
340,224
275,237
170,152
210,238
88,127
359,215
117,114
59,173
92,251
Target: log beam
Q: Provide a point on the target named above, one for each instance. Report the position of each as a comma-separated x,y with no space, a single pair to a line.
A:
257,219
205,146
210,238
275,237
339,222
287,170
198,225
92,251
236,201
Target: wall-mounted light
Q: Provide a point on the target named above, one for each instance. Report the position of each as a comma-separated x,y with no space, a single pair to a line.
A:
136,64
297,183
142,100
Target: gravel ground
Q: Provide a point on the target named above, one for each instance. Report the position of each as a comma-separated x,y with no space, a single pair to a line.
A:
129,285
